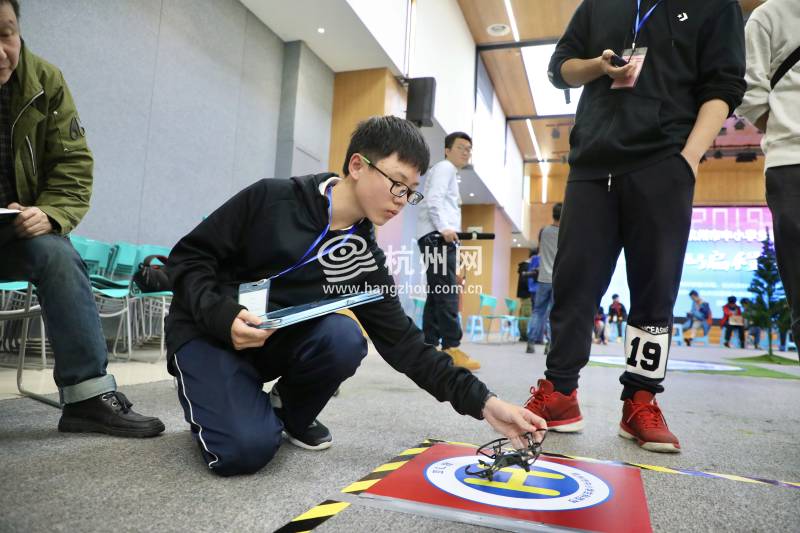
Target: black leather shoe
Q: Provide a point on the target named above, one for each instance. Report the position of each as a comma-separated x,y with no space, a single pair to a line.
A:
108,413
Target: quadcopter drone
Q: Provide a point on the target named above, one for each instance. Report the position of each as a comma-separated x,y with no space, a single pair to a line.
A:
505,458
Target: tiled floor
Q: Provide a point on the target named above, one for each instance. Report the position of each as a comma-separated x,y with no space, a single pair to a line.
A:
125,372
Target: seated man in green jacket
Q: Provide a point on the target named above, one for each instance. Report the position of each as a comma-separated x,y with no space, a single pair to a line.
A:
46,175
293,232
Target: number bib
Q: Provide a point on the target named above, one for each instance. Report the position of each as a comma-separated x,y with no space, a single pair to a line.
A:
646,353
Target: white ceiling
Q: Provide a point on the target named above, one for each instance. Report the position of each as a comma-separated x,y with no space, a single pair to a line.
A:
346,44
470,185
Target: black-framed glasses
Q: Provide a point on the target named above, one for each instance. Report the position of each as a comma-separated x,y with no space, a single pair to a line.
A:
398,188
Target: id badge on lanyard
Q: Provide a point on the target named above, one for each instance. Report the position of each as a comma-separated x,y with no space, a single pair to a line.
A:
634,55
254,296
636,58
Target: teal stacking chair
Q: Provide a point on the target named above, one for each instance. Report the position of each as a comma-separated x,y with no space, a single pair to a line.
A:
150,308
509,325
123,260
81,244
475,322
24,309
97,256
677,334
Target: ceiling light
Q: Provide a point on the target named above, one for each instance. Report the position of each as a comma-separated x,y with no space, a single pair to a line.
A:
544,166
472,195
533,140
320,30
739,125
498,30
515,240
512,19
547,99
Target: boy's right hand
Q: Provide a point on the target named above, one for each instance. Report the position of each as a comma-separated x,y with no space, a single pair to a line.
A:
615,73
244,334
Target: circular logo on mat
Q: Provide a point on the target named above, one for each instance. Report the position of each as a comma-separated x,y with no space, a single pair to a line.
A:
549,486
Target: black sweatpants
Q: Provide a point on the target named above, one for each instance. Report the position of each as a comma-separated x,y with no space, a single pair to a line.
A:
783,198
440,315
221,390
648,213
730,330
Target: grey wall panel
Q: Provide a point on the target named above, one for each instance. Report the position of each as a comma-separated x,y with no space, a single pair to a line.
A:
180,100
305,162
107,52
313,116
306,113
190,153
288,104
259,105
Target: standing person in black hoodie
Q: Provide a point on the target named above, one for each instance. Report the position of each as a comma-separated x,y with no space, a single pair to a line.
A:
639,134
285,230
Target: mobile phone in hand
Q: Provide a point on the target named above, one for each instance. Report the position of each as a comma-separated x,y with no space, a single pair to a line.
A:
617,61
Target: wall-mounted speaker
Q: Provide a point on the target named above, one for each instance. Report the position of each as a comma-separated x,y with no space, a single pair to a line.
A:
421,98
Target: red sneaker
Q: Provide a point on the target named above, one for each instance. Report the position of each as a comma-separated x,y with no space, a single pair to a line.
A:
559,411
643,422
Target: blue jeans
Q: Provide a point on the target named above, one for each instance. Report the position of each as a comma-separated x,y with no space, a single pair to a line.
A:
70,314
700,323
541,312
221,390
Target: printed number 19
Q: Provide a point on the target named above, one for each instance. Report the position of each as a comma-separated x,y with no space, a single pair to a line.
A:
650,351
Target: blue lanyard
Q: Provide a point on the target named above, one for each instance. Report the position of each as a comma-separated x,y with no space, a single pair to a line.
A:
640,23
303,261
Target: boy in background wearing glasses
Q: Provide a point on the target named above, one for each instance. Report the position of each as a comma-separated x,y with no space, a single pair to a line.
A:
283,230
438,224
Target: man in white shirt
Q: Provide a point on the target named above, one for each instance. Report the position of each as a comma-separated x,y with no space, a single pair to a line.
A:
437,232
773,83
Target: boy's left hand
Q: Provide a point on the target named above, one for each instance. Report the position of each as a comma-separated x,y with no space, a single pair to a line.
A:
512,421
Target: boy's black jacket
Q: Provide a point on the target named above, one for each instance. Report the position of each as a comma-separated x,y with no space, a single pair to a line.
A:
695,53
265,229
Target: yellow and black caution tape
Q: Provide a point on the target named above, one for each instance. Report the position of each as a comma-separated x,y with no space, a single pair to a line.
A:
314,517
387,468
683,471
322,512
